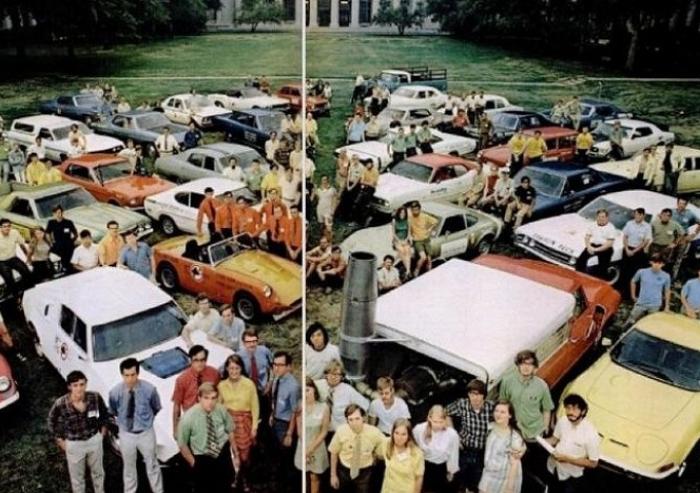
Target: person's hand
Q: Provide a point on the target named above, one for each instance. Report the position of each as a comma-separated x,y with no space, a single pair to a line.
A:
335,482
559,457
590,250
287,441
450,476
690,313
191,461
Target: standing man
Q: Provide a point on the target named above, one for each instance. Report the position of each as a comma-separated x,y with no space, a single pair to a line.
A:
535,148
517,145
286,395
257,359
473,415
192,136
85,256
206,440
10,239
207,208
228,330
17,162
388,407
421,226
78,423
135,403
225,216
411,141
424,138
523,203
599,240
203,319
616,135
353,449
110,246
667,234
672,166
576,448
584,142
636,238
485,129
654,290
292,234
166,144
398,146
356,130
137,256
254,178
189,381
690,296
368,185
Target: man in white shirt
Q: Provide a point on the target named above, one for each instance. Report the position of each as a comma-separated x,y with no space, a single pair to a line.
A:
576,448
37,148
599,241
290,188
383,412
388,276
233,171
86,255
166,144
204,319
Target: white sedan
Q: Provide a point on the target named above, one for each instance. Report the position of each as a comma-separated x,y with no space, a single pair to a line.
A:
639,135
560,239
176,209
417,97
83,323
188,108
377,151
246,98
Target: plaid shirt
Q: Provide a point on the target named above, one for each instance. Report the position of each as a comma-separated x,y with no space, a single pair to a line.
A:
473,426
68,423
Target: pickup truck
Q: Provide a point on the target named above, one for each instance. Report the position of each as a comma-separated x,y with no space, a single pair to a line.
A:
392,79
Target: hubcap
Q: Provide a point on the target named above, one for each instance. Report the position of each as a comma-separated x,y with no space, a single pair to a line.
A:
168,278
168,226
246,308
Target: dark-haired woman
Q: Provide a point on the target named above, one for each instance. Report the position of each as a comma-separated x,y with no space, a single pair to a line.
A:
505,447
319,351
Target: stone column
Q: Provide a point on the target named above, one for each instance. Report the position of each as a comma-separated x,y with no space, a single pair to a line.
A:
299,7
375,7
313,13
355,14
335,4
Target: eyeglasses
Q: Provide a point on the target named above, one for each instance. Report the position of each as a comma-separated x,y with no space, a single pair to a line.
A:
199,360
279,364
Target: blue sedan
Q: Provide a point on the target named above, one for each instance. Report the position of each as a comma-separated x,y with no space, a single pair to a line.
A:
249,127
143,127
83,107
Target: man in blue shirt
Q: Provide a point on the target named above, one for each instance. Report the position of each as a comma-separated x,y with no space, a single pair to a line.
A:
137,256
356,130
192,137
690,296
654,290
228,329
286,394
257,360
135,404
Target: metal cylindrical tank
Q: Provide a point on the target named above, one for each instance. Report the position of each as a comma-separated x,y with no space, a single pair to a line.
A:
358,313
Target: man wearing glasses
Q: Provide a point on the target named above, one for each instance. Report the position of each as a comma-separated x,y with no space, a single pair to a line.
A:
286,395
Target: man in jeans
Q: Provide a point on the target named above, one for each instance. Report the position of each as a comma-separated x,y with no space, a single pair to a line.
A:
9,262
78,423
135,403
654,290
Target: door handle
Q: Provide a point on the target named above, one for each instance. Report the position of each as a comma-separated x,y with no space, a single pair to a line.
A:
82,358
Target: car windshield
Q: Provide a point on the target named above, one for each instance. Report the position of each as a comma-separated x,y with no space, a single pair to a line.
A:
505,121
659,359
152,120
544,183
88,100
219,252
413,171
387,77
200,101
137,333
605,130
617,214
270,122
61,133
405,92
114,171
70,199
251,92
586,110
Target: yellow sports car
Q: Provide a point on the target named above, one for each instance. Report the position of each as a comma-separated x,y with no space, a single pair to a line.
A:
644,397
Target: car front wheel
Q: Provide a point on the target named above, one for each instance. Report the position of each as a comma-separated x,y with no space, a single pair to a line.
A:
246,307
168,226
484,246
167,276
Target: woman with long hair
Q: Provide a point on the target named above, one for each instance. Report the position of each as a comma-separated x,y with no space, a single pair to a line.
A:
39,255
316,422
440,445
505,447
401,238
403,460
240,397
319,351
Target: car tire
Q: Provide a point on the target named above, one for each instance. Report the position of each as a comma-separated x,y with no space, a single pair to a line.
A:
246,307
167,277
218,104
168,226
151,151
114,202
484,246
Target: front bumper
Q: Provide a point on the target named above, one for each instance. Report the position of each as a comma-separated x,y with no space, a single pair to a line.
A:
620,468
10,400
284,313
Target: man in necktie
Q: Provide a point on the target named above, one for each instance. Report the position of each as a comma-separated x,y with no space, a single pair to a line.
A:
135,404
205,437
353,450
286,399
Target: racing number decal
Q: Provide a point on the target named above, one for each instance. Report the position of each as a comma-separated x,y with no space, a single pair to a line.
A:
63,351
249,136
197,273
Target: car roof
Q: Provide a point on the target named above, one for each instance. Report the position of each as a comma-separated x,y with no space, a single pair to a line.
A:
219,185
478,331
653,202
103,294
28,191
442,209
95,160
47,120
257,111
629,122
226,148
419,87
558,168
138,113
551,132
437,160
672,327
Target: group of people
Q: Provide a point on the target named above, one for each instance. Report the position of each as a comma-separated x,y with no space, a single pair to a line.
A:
473,444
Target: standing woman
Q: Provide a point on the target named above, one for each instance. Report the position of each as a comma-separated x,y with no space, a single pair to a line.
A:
317,420
404,462
440,445
38,255
319,351
401,238
238,394
505,447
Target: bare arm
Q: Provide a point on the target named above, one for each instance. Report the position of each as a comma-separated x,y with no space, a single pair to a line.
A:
187,455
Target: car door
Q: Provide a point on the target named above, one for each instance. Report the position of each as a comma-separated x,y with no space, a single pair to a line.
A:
452,237
642,137
210,166
22,216
443,183
72,342
689,179
176,110
194,168
82,175
120,125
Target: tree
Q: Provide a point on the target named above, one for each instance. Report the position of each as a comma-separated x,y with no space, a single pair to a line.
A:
255,12
188,16
402,16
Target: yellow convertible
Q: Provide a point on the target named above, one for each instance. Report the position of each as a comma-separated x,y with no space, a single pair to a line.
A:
644,397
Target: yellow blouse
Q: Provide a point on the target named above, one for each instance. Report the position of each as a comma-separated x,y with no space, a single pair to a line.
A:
240,396
402,470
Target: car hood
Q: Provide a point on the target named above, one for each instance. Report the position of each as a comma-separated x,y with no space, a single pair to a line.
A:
376,240
368,150
565,232
499,155
177,131
99,143
266,101
628,168
209,111
390,187
92,217
280,274
138,186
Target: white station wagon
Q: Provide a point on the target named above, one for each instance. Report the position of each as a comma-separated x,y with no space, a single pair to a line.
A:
197,108
639,135
83,323
53,131
417,97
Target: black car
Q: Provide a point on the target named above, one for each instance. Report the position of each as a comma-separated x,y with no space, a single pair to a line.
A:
249,127
86,107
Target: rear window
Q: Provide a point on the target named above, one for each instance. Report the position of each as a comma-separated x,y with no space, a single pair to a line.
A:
23,127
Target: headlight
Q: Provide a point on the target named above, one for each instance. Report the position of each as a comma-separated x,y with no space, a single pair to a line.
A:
134,202
521,238
267,291
5,384
594,148
205,121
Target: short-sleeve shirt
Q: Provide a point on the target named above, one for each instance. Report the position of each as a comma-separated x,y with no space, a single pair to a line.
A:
578,441
584,141
230,334
387,417
530,398
263,361
138,260
691,291
402,470
110,248
286,391
187,386
421,226
665,234
388,277
192,429
525,195
601,234
652,286
8,244
63,232
637,233
517,144
535,147
686,218
343,444
85,257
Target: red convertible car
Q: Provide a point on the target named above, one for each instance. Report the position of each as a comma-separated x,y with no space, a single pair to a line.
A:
9,394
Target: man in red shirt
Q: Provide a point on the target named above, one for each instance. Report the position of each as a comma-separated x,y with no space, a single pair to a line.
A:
207,209
188,382
460,122
225,216
248,220
276,231
292,232
273,200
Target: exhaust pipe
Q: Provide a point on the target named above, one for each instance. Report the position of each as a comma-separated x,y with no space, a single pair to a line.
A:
357,314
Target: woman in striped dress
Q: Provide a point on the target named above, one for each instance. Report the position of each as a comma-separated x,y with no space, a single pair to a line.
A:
503,472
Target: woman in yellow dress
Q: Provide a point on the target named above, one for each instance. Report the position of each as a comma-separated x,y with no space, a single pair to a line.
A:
404,461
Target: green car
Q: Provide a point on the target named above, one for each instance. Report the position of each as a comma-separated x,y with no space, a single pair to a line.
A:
30,207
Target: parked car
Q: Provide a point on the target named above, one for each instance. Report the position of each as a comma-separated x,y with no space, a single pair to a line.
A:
412,97
232,271
563,188
53,131
595,111
206,161
506,123
111,179
421,177
644,398
29,207
317,105
138,321
9,393
639,135
251,127
143,127
405,117
460,232
191,108
492,104
377,151
392,79
246,98
84,107
561,146
560,239
176,209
